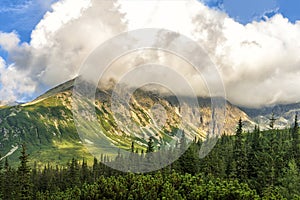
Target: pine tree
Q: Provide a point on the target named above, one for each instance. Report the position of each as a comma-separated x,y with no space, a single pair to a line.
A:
296,125
1,164
296,142
24,175
84,172
96,172
150,147
189,161
7,177
239,152
6,165
230,168
253,155
132,147
149,152
1,177
73,174
272,121
34,180
290,180
11,186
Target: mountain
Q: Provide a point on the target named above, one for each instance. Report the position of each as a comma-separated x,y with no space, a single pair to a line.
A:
47,127
283,113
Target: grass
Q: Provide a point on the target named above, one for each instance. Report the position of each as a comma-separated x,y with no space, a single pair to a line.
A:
48,129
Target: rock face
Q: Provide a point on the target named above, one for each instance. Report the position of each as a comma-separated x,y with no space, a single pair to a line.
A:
47,126
283,113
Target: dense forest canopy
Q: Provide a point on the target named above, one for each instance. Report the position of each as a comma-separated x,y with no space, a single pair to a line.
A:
252,165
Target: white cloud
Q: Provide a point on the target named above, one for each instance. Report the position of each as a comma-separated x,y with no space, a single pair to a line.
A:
59,44
63,12
259,62
13,83
172,15
9,41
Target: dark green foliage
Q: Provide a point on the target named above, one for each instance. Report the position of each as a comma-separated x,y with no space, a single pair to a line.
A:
296,142
189,161
150,146
239,153
24,175
132,147
1,176
290,181
272,121
157,186
257,165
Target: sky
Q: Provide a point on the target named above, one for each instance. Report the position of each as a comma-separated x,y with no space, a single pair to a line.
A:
254,44
245,11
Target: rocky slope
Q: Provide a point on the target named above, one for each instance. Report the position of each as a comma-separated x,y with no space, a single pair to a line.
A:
283,113
47,126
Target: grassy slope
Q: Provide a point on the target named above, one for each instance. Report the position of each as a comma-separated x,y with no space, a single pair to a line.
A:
47,129
46,125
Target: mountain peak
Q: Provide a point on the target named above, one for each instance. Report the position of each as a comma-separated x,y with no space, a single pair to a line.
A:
47,125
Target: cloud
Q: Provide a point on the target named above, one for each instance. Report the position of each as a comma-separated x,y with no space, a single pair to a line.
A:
59,44
259,62
9,41
63,13
13,83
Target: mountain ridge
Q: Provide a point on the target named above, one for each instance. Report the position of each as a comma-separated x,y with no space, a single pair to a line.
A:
47,126
284,115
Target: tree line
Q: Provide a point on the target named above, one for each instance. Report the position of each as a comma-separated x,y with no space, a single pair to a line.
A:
247,165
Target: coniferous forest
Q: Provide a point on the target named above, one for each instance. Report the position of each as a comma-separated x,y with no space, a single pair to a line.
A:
248,165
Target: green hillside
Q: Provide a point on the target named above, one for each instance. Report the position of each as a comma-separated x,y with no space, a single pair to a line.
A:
47,127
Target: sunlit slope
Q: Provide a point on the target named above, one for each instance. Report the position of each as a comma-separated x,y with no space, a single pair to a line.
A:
47,126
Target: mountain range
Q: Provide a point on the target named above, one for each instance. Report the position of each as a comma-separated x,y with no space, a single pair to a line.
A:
46,124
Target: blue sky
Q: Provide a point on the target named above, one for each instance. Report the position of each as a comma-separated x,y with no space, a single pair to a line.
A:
245,11
22,16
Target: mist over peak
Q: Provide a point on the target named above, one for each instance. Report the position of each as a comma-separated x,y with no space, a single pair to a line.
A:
258,62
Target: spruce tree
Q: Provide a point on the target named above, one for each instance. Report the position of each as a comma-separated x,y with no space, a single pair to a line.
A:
24,175
73,173
239,152
132,147
34,180
96,172
84,176
149,152
255,149
296,142
150,147
189,161
272,121
290,180
1,176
